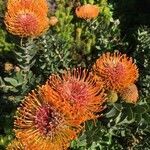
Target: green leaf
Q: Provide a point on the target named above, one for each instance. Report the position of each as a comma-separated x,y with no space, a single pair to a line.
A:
11,81
111,113
146,116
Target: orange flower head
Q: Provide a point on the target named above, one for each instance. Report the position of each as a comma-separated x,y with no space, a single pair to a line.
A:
15,145
130,94
27,18
80,90
45,122
87,11
116,71
53,21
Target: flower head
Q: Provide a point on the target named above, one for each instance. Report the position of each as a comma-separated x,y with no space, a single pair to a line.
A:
53,21
45,122
27,18
8,67
116,71
130,94
80,90
15,145
87,11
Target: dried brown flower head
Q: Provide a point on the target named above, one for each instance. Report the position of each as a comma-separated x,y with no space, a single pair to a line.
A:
53,21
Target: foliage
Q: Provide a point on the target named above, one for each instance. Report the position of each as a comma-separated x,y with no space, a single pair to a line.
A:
142,54
75,42
55,46
2,7
4,44
121,127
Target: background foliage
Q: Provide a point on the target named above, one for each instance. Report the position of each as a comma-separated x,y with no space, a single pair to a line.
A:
123,26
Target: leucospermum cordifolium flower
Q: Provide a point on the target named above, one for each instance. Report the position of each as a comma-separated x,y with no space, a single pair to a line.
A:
87,11
80,90
15,145
130,94
27,18
43,122
115,70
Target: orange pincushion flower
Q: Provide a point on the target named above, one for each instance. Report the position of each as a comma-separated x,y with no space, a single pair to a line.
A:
43,124
15,145
130,94
87,11
80,90
116,71
27,18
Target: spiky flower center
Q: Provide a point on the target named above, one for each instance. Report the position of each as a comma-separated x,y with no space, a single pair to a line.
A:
116,72
47,119
75,91
27,22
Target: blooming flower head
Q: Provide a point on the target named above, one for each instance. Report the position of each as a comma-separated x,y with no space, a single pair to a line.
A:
115,70
80,90
44,123
27,18
15,145
130,94
87,11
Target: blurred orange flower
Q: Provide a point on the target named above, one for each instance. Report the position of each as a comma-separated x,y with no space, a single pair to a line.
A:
80,90
53,21
130,94
87,11
43,124
115,70
15,145
27,18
